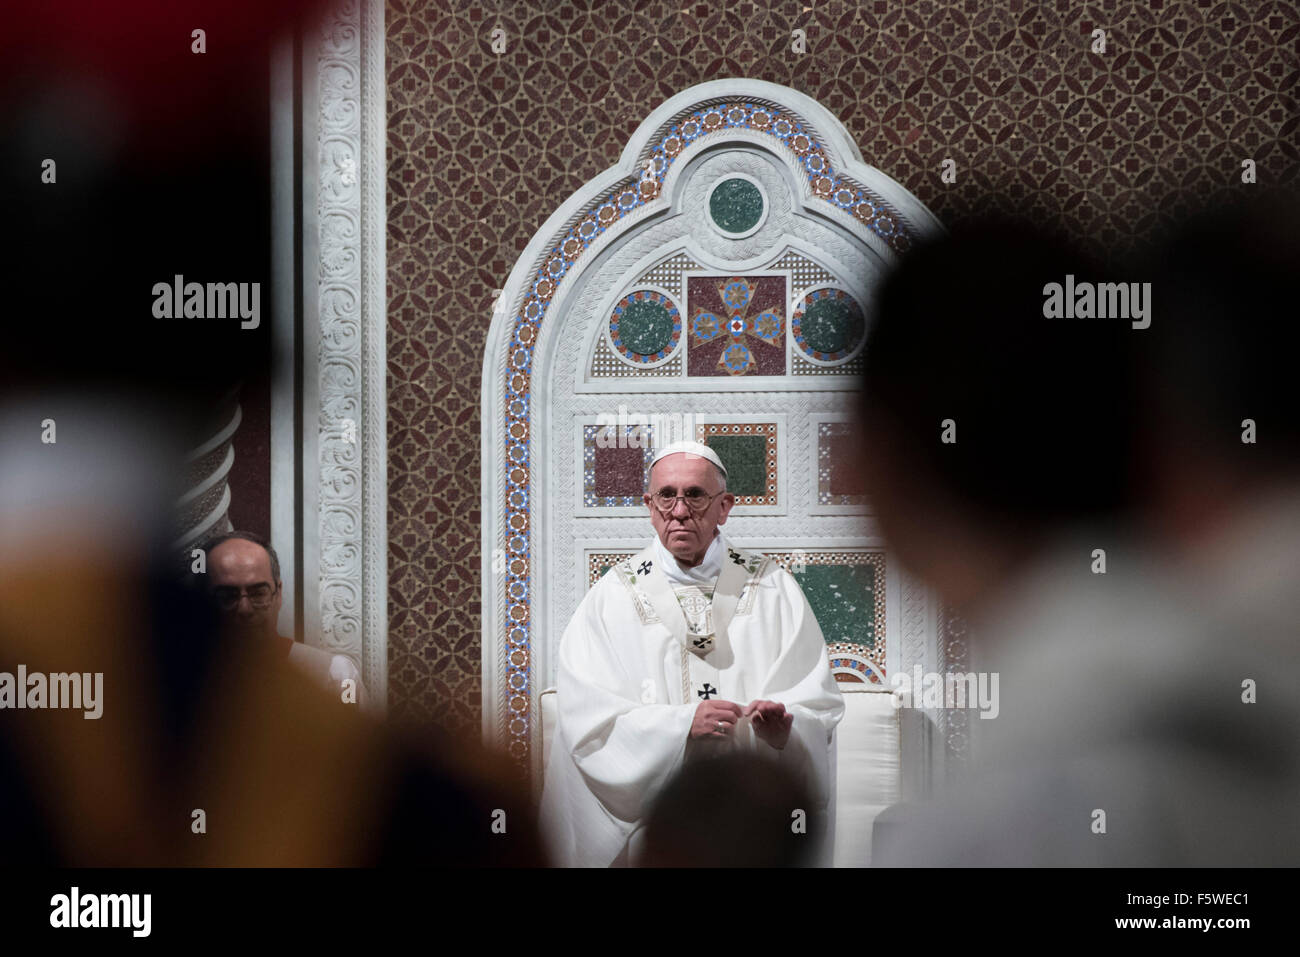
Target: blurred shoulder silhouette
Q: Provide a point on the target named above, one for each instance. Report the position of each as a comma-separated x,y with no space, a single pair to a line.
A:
1148,706
209,747
732,810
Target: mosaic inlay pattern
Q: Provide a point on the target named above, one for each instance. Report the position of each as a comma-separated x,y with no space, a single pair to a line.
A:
668,275
736,205
839,475
827,325
600,562
482,148
614,470
737,325
867,674
847,593
645,327
749,454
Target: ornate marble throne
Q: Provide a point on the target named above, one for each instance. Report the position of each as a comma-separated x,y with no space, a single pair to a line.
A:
715,284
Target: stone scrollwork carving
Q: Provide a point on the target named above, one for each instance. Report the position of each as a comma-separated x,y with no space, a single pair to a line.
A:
351,423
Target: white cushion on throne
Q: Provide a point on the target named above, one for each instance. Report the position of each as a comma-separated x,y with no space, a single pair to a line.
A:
867,776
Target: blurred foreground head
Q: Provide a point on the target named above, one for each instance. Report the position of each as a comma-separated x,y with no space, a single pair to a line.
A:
197,751
988,429
1169,701
735,810
1221,433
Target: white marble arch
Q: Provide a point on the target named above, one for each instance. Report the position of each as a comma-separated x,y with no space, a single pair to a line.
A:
549,332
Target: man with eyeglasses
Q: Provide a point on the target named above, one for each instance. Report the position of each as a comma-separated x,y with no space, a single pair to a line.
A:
244,579
692,648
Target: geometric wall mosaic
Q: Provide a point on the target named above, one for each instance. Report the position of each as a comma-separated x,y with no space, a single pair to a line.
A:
809,275
816,287
737,206
614,469
847,593
748,451
839,474
827,325
737,325
645,327
600,562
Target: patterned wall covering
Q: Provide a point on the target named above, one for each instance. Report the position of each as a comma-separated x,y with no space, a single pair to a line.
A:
483,146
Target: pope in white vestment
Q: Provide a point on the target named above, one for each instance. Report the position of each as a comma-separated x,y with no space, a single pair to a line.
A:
691,648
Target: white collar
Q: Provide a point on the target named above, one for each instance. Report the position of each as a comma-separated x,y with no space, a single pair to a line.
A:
705,573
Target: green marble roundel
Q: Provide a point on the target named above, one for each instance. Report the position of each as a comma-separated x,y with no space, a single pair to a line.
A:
736,205
645,327
832,325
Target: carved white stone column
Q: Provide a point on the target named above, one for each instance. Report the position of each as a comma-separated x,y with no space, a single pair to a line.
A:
351,524
329,417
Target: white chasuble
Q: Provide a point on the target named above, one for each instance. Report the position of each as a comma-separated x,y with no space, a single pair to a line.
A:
639,655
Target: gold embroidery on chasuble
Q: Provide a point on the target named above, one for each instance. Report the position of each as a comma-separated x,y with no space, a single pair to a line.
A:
632,575
697,606
640,600
686,675
698,674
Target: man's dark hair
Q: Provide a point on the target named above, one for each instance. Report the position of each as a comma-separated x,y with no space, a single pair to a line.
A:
1224,342
1041,406
731,810
211,543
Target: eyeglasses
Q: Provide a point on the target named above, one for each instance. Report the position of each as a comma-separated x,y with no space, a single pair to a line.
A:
696,500
259,596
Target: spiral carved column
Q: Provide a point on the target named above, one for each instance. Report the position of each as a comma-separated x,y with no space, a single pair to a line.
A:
204,507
